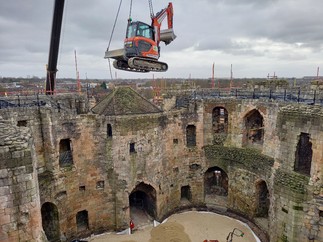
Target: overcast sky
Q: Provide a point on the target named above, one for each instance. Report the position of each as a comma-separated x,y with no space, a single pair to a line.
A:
258,37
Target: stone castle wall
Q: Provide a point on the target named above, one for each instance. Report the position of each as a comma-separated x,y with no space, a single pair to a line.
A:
149,153
19,192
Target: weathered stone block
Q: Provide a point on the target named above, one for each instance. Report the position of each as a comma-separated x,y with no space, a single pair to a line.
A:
17,154
4,173
4,191
4,182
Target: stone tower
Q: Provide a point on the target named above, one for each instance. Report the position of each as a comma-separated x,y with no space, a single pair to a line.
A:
20,217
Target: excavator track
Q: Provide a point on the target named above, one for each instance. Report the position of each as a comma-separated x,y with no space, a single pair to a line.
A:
146,64
123,65
139,64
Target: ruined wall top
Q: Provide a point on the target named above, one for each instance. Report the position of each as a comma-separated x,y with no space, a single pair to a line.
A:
11,135
13,141
311,110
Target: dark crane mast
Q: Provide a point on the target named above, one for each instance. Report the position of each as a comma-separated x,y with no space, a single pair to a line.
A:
54,46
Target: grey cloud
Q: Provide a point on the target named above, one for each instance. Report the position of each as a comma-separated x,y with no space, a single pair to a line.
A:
207,25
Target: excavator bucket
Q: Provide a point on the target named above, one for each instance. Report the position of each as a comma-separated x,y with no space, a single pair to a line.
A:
167,36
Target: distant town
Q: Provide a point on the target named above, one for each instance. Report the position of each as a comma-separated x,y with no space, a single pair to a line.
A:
35,85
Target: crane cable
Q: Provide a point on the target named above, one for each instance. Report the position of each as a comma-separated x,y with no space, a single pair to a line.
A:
130,9
114,25
151,9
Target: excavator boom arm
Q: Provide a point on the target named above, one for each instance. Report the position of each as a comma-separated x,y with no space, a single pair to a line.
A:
163,13
166,35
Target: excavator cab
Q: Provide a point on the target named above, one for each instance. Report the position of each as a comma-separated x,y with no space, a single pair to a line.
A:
140,41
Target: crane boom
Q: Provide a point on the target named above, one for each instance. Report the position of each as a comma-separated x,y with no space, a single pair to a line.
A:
54,46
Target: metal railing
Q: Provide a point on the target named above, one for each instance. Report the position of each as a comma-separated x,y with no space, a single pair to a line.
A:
286,95
295,95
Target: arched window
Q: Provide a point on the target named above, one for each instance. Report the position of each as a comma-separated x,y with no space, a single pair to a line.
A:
254,124
303,155
190,136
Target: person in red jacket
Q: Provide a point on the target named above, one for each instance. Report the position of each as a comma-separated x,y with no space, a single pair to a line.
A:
132,225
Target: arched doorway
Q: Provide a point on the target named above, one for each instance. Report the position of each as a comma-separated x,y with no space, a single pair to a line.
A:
216,186
50,221
142,202
263,201
82,220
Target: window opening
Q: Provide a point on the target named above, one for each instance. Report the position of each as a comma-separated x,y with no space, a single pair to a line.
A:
194,167
220,120
65,153
132,28
304,153
132,148
109,130
61,195
22,123
140,29
254,128
100,185
82,220
145,30
186,193
191,136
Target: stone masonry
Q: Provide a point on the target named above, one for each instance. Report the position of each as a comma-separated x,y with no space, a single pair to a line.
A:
19,191
74,171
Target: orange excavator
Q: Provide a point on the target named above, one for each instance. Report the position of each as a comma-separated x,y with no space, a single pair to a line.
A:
141,46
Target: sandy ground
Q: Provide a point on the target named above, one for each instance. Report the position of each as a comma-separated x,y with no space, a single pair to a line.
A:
185,227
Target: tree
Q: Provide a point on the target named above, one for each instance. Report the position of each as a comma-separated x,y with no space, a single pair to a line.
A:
2,89
103,85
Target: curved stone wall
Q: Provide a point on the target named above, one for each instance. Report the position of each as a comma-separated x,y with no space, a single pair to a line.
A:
19,194
166,158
